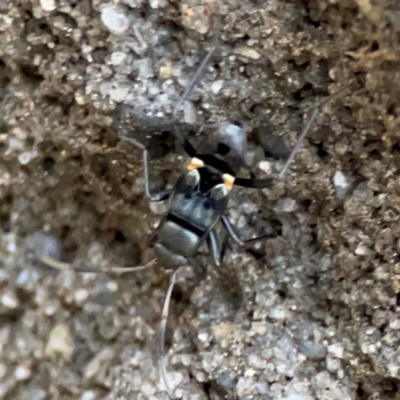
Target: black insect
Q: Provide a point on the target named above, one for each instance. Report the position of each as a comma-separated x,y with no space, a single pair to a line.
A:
197,204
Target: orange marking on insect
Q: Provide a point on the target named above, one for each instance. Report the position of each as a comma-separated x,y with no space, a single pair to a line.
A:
195,163
229,181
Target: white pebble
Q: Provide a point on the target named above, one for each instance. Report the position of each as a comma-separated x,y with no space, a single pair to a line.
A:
341,184
117,58
288,205
157,3
25,157
81,295
265,166
248,52
9,299
189,112
48,5
217,86
89,395
362,250
114,20
262,387
203,337
59,342
118,93
332,364
147,389
336,349
22,373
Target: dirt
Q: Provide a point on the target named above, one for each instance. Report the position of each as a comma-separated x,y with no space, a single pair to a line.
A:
318,312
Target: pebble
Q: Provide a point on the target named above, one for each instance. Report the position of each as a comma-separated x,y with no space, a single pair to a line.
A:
341,184
9,299
59,342
27,156
114,20
22,372
117,58
217,86
336,349
48,5
247,52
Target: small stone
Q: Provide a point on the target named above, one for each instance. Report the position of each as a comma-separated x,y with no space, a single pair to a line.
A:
217,86
165,71
60,342
262,387
117,58
332,364
341,184
97,362
26,157
9,300
22,372
48,5
336,349
89,395
157,3
118,93
362,250
247,52
114,20
197,18
148,390
203,337
288,205
395,324
80,295
312,350
265,166
144,68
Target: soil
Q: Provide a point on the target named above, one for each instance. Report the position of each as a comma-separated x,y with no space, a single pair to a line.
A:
311,314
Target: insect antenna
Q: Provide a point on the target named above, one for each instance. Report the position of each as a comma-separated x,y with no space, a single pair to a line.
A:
163,327
317,110
63,266
194,81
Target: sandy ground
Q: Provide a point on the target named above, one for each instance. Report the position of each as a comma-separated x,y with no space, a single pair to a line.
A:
311,314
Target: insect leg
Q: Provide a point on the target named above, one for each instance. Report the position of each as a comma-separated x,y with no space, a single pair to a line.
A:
214,247
163,326
217,252
253,183
307,128
62,266
161,196
231,232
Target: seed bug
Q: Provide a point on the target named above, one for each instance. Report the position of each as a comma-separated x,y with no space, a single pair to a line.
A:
197,204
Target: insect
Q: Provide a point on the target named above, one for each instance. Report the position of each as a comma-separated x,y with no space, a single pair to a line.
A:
197,204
